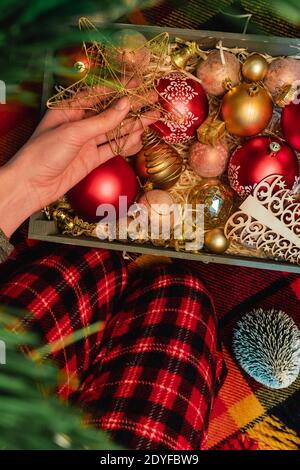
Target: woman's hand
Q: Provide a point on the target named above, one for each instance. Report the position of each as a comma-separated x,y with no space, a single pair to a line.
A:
65,147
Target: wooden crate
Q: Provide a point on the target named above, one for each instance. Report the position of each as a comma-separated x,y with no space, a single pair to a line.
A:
42,229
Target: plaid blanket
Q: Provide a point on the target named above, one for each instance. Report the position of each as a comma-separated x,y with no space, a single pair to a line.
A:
270,417
245,415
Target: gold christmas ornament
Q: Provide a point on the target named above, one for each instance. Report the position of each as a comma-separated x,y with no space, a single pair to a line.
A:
227,84
285,96
217,199
158,162
246,109
159,206
215,241
63,220
68,223
255,68
211,131
187,50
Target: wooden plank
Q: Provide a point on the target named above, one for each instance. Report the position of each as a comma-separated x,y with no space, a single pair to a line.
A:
47,235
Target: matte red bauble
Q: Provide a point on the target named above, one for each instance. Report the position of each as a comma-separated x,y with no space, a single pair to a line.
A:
290,124
185,104
104,185
259,158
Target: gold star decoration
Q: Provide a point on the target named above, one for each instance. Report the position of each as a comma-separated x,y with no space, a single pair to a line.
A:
115,69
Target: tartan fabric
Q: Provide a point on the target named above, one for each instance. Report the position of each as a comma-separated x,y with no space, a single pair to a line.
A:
270,417
151,375
64,289
159,366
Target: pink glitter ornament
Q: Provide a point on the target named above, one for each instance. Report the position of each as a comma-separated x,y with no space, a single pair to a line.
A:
282,71
208,161
214,73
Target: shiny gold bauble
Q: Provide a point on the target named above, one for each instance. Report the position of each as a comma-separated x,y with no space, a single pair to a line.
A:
246,109
217,199
215,241
158,162
255,68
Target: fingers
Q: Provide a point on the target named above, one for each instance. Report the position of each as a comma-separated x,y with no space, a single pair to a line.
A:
78,133
133,149
130,145
131,125
74,109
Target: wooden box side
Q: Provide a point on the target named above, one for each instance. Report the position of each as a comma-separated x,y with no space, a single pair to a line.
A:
45,230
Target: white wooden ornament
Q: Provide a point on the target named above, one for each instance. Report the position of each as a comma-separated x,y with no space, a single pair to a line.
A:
268,220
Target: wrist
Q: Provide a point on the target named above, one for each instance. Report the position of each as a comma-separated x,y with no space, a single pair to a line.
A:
14,201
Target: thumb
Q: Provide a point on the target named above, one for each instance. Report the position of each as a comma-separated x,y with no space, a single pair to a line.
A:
80,132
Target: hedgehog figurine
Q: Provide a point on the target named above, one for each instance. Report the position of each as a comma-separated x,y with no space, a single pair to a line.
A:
266,344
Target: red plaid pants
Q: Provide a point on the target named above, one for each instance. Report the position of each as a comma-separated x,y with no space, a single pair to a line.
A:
150,376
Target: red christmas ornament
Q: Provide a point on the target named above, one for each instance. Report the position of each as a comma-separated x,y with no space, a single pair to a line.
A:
185,104
258,158
290,124
104,185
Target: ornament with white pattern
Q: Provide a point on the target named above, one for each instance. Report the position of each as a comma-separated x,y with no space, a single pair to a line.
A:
185,107
258,158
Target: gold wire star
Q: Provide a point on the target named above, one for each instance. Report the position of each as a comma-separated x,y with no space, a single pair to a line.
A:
111,74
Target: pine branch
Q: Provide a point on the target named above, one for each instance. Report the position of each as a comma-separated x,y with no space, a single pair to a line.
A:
28,29
28,419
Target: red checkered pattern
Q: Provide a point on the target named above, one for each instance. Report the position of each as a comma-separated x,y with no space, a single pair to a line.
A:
65,289
150,376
